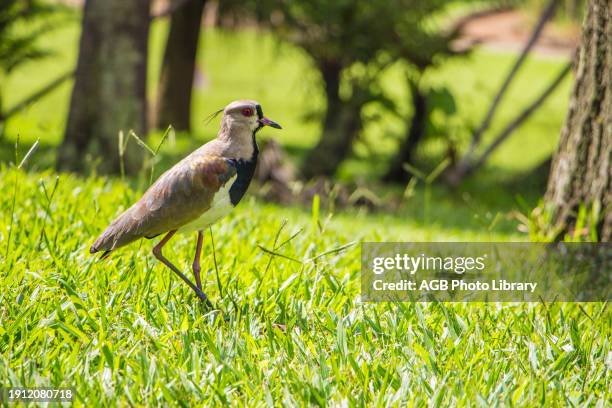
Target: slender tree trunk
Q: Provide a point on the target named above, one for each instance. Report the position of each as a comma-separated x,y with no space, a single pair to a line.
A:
24,103
2,120
176,80
572,9
466,165
547,13
455,175
414,135
109,92
341,126
581,172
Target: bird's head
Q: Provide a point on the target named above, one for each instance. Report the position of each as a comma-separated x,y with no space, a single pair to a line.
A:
245,115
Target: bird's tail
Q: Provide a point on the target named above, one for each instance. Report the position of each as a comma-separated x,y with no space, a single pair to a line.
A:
119,233
106,242
101,244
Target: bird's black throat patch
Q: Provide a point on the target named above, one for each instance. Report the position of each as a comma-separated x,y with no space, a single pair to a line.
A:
244,174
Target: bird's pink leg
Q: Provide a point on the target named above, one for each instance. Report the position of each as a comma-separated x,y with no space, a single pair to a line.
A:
196,260
157,251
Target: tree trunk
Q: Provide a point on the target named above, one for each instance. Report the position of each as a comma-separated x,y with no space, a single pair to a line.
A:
414,135
547,13
176,79
470,163
581,168
109,92
341,125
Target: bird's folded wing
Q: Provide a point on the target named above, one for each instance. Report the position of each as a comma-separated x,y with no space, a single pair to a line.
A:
179,196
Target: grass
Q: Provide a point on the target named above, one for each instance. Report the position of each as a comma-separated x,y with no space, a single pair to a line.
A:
126,331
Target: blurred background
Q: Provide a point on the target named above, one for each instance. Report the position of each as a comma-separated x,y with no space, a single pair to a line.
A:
384,105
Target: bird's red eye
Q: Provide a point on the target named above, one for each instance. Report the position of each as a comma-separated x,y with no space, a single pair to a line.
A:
247,112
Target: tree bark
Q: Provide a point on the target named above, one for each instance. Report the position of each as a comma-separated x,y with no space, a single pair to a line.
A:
581,169
176,79
109,92
341,126
414,135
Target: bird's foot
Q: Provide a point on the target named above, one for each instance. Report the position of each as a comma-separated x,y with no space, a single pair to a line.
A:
204,298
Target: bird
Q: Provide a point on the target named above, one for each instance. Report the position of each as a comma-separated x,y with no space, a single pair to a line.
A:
196,192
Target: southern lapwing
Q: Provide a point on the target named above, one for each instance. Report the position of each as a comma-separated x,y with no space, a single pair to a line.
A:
196,192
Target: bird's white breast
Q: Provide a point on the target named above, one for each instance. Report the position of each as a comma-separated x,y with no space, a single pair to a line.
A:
219,208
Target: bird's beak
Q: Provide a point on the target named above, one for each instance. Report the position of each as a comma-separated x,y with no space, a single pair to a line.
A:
267,122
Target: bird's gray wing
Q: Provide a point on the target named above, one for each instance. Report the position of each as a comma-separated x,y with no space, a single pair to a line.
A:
179,196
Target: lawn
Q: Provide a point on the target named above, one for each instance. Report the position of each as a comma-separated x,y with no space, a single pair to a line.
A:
287,328
126,330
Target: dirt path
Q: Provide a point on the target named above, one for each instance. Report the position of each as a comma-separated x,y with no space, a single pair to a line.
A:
509,31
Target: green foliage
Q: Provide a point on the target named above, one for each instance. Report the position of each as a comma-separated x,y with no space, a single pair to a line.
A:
361,38
125,331
542,225
348,32
17,45
351,44
283,79
22,23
